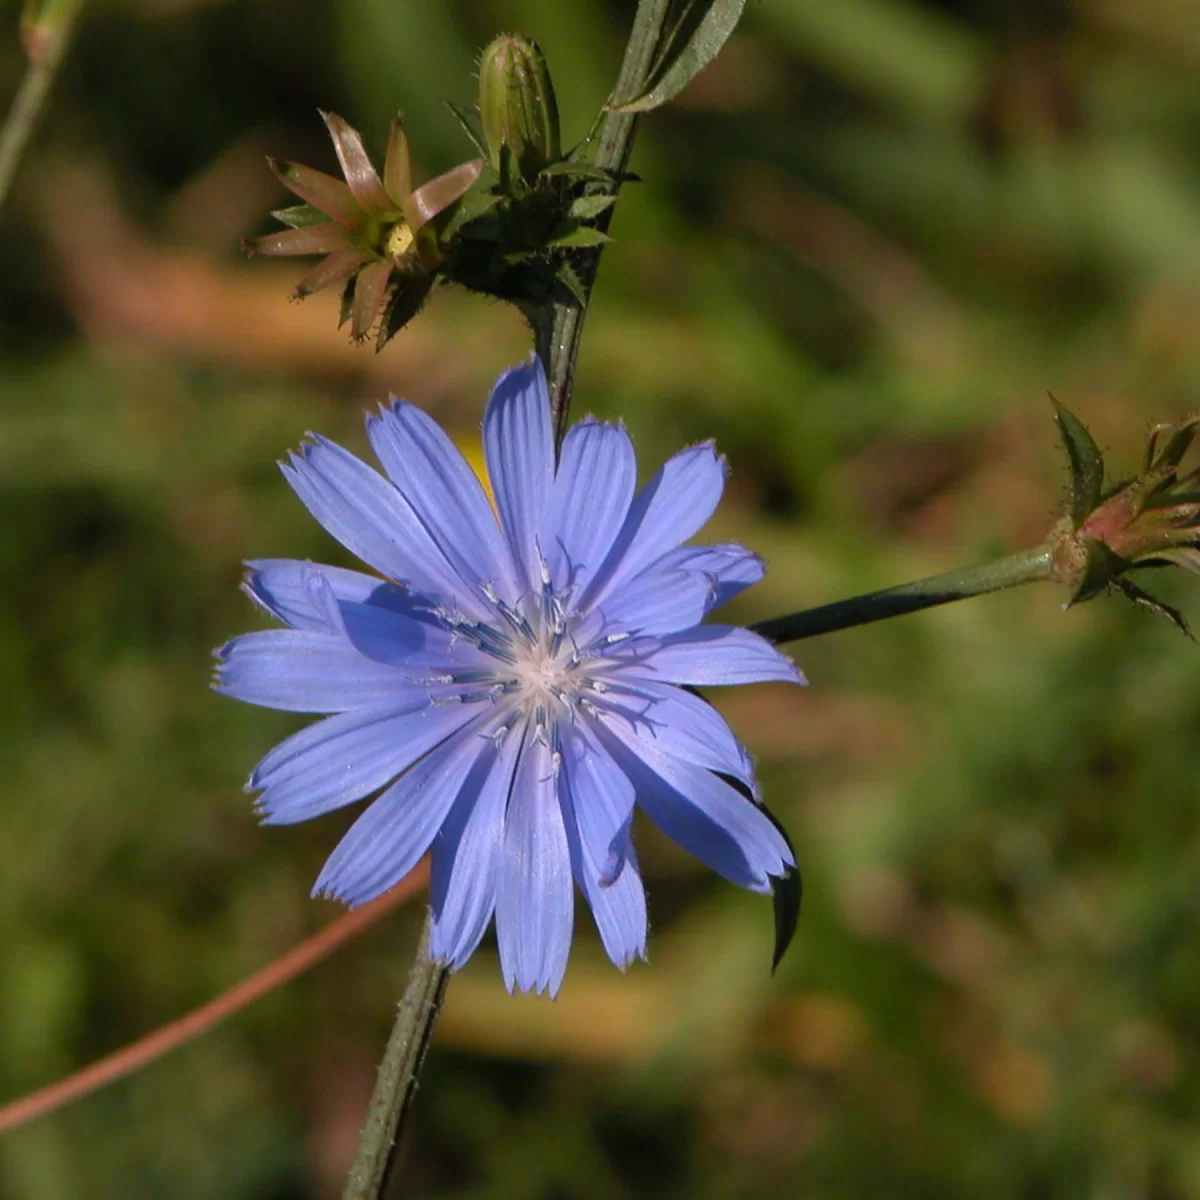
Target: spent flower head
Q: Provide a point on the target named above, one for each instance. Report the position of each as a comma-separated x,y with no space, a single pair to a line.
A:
1151,520
379,235
514,680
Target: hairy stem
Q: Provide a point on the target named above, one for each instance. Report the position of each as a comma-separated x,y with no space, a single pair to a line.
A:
558,338
46,47
1028,566
397,1081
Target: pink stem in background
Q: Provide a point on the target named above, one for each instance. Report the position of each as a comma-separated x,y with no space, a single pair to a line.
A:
177,1033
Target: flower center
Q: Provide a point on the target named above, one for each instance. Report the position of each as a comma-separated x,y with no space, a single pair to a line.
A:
399,240
542,676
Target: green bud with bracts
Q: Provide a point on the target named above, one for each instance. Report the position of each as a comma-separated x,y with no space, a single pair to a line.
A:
517,108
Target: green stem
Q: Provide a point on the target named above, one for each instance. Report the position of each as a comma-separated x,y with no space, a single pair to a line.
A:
396,1083
1026,567
559,332
35,87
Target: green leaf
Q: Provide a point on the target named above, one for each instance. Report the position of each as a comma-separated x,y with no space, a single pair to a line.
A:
696,40
1086,461
584,235
300,215
588,207
347,309
469,120
786,895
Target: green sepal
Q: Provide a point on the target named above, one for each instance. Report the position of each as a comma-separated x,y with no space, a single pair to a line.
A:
474,206
567,277
1099,569
587,208
581,235
787,893
347,309
301,215
403,304
704,26
468,118
1143,598
1086,462
581,170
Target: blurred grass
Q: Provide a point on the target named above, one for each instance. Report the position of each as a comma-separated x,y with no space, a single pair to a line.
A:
867,242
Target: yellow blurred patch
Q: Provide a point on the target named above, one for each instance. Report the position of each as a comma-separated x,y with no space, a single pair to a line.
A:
471,446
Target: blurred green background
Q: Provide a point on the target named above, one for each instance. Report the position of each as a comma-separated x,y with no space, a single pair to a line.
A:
868,241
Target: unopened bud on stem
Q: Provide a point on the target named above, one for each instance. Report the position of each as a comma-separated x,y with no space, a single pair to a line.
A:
517,107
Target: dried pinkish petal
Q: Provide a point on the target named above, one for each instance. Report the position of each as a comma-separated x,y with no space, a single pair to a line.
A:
370,293
361,175
438,194
397,166
322,191
325,238
333,269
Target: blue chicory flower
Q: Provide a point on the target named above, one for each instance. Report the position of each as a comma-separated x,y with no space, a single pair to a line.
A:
516,686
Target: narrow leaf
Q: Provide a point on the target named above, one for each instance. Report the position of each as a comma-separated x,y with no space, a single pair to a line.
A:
1086,461
703,29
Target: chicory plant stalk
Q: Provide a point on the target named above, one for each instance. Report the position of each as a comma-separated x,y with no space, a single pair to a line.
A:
558,343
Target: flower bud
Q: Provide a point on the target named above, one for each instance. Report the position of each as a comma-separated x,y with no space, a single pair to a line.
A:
517,107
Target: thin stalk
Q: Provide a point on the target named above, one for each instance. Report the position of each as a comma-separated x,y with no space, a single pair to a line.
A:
397,1081
557,332
46,55
1026,567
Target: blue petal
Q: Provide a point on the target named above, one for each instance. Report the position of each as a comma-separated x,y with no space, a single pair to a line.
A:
603,798
680,724
658,602
373,521
467,857
382,621
348,756
672,507
518,444
729,568
387,841
619,907
299,671
444,492
588,502
535,899
278,585
718,655
706,816
593,783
